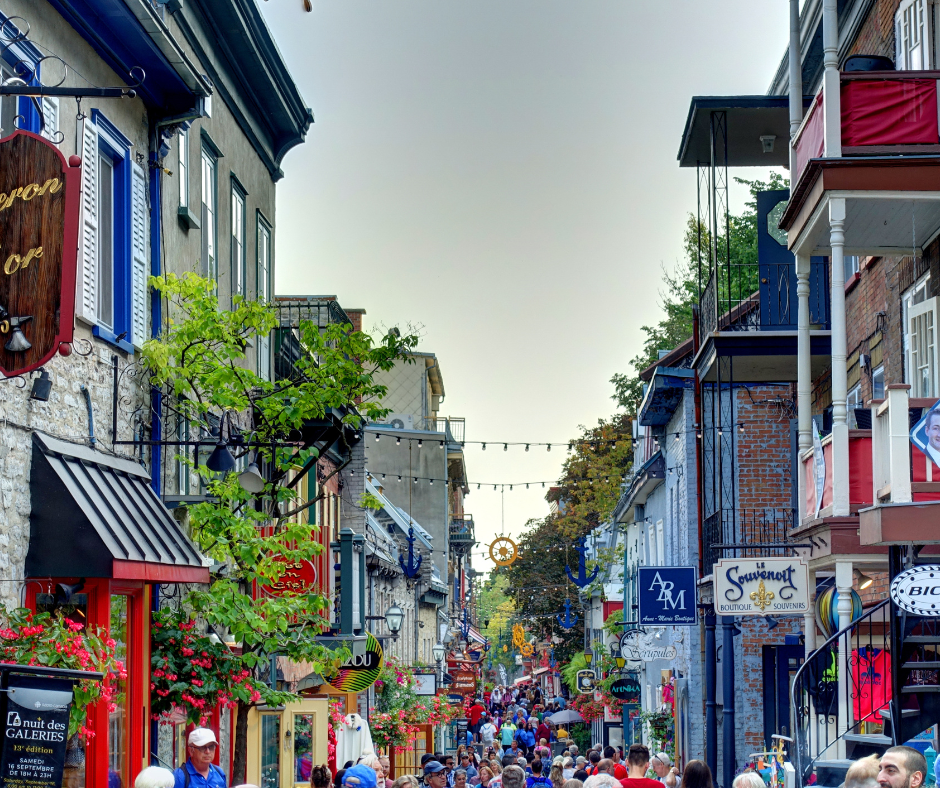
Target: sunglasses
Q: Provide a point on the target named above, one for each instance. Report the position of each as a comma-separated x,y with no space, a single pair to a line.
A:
205,747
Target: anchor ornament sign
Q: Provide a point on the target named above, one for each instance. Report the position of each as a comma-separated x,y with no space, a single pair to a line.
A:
761,587
39,211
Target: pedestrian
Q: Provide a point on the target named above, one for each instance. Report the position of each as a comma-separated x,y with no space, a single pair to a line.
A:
573,783
488,731
601,780
696,775
513,777
638,761
466,763
751,779
665,771
901,767
477,710
360,776
406,781
507,732
595,758
199,771
435,774
484,776
538,780
556,775
154,777
460,778
320,777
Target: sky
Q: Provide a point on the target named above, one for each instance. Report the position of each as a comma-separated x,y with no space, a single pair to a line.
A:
501,175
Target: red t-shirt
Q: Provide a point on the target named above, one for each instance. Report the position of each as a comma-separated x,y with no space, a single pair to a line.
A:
476,710
620,771
640,782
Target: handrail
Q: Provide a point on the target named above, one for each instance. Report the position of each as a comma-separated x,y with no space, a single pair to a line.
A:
795,686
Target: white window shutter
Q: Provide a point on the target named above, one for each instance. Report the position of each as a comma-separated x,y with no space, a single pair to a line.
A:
924,350
50,117
86,300
138,255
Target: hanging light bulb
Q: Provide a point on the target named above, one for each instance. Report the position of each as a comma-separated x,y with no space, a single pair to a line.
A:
398,441
510,488
527,447
478,486
415,480
570,446
383,477
549,447
677,438
420,443
741,426
377,437
431,481
484,447
527,485
505,447
442,444
399,478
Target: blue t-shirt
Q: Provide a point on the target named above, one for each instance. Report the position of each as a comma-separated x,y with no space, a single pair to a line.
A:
216,777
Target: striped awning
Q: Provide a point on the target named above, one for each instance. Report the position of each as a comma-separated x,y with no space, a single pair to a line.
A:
96,515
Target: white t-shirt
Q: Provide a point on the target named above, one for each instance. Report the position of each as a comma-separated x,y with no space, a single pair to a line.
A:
488,732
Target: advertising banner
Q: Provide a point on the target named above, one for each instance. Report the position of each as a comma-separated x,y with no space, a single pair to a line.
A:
761,587
36,732
667,596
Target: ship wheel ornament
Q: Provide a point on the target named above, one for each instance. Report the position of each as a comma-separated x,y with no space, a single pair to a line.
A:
503,551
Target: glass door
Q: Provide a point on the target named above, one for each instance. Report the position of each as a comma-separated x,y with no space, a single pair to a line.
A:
300,741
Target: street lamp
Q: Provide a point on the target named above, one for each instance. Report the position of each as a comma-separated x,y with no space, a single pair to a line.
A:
588,656
394,617
438,651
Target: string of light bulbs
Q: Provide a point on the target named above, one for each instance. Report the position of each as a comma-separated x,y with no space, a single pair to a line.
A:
480,485
505,444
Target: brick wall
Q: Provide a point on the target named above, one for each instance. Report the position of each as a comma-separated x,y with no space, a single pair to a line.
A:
763,447
876,35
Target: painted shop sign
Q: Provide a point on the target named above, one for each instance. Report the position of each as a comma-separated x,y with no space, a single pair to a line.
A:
585,681
627,689
637,645
465,682
761,587
360,672
917,590
667,595
39,207
35,736
297,577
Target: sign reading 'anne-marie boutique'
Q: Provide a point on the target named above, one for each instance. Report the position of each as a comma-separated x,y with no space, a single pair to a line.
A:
761,587
39,209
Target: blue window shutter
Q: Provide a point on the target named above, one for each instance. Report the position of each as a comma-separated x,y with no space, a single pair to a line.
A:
138,278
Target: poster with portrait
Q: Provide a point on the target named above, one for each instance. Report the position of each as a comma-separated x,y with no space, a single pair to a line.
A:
925,435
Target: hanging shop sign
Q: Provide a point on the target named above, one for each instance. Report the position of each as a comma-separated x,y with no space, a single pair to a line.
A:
637,645
425,684
39,207
360,672
917,590
503,676
586,680
465,682
454,699
925,435
627,689
297,577
761,587
667,595
36,726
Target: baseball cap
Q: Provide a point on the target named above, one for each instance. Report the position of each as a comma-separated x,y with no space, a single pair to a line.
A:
200,737
360,776
432,767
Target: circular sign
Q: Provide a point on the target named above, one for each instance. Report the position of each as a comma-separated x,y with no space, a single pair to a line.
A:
917,590
503,551
297,577
626,690
359,673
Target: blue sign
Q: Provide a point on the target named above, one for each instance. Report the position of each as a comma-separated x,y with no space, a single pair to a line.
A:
667,596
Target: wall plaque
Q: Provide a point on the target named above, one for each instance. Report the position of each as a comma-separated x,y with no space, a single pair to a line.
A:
39,206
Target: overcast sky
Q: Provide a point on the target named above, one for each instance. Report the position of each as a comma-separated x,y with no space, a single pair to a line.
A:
502,173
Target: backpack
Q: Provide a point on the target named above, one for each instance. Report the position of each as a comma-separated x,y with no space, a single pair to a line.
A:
212,767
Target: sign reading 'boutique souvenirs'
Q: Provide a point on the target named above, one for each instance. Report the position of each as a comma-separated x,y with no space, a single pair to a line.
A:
761,587
39,196
917,590
35,732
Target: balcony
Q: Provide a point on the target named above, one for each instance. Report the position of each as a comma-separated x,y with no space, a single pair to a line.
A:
746,533
887,172
292,311
462,536
453,426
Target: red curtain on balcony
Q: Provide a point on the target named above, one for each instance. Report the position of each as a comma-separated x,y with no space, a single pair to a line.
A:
889,112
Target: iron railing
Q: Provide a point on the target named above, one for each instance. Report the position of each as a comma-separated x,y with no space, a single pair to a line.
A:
821,729
292,311
453,426
746,533
462,529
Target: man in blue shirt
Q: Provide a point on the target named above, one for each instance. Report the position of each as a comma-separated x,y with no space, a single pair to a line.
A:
199,771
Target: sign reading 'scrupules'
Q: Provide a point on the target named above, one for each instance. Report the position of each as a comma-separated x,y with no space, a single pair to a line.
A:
39,217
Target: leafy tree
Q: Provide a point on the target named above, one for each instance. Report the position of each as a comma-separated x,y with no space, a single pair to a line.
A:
680,291
495,605
199,361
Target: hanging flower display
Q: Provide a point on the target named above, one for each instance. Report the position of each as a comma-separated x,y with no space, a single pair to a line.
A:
28,638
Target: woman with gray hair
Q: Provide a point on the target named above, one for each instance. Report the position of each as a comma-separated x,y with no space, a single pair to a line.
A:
748,779
155,777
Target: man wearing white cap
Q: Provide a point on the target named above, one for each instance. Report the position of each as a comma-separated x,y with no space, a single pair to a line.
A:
199,771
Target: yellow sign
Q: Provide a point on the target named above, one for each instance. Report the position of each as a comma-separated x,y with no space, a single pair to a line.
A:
503,551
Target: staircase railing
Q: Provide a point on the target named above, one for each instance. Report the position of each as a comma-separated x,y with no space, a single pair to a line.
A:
822,726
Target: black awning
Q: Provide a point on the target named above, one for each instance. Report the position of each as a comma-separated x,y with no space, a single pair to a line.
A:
95,515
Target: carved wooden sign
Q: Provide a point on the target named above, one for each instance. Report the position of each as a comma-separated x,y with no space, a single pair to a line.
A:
39,205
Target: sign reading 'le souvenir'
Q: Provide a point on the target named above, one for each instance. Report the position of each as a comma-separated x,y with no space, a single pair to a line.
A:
35,735
917,590
761,587
39,194
667,595
361,671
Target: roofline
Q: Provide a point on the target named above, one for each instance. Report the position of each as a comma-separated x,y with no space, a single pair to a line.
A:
680,350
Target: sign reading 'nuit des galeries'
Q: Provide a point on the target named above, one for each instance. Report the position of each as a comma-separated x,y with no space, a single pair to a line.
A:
761,587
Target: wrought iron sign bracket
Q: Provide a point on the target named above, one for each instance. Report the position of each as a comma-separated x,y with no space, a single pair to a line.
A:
40,91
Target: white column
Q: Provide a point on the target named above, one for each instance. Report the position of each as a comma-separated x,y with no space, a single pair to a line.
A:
840,427
796,84
809,617
804,375
844,587
831,98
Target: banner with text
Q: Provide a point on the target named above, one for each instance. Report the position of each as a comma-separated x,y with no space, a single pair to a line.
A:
667,596
761,587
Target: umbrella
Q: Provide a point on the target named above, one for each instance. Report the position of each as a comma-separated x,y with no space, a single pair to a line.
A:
565,717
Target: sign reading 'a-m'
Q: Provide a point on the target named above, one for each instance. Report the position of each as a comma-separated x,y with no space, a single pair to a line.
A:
667,596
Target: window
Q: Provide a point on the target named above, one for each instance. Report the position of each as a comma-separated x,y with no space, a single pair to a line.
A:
208,215
238,241
182,467
263,280
850,266
853,401
922,355
912,32
878,383
50,119
112,285
184,168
